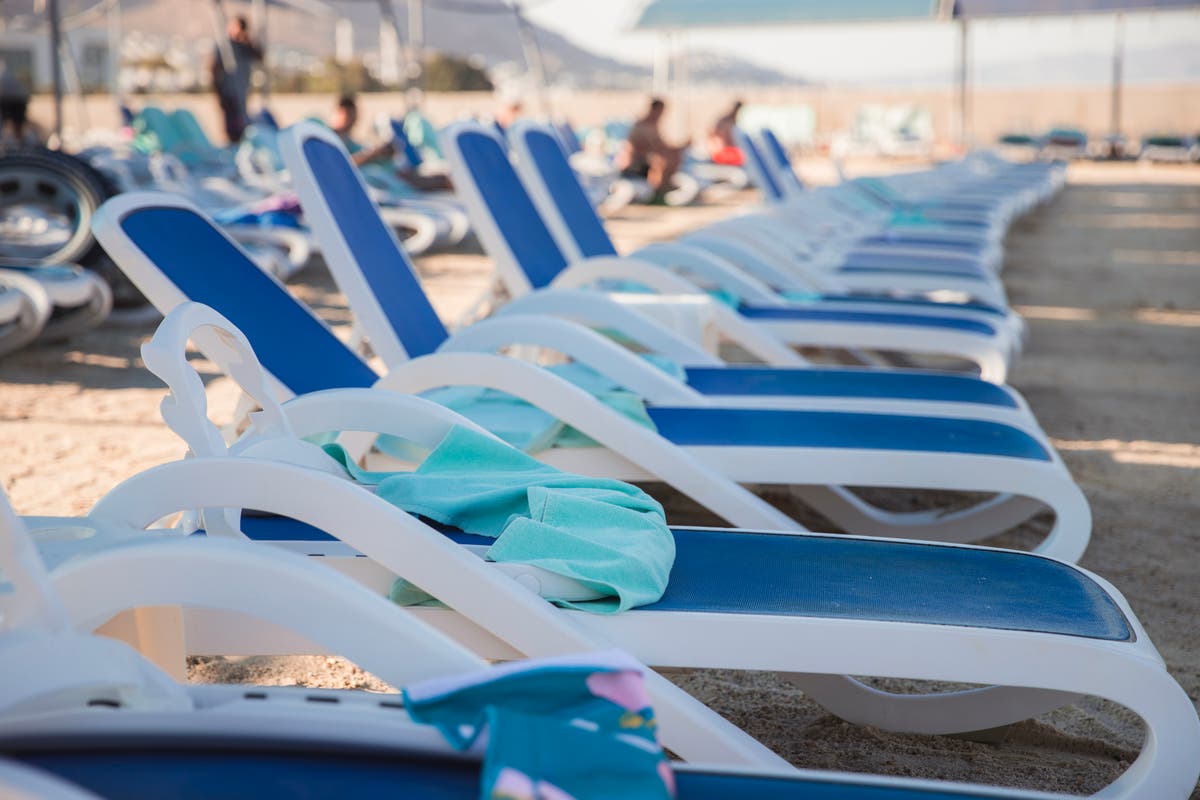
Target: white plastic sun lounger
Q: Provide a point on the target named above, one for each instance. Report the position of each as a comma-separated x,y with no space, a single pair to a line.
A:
389,302
528,258
90,718
79,300
1041,630
174,254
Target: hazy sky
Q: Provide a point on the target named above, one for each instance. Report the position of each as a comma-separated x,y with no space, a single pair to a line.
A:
867,52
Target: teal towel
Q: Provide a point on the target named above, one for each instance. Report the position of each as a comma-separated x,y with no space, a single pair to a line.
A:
608,535
525,426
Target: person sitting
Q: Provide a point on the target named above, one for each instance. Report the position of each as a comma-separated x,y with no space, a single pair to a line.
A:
342,122
721,145
647,155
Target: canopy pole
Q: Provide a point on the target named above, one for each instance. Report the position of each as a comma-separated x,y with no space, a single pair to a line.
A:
114,52
389,44
662,64
1118,68
533,57
415,78
56,75
258,14
964,84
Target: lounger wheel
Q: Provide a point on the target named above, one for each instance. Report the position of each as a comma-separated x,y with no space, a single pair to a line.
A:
30,317
68,321
47,199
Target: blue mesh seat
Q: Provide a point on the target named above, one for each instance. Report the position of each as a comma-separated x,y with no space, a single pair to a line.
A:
837,577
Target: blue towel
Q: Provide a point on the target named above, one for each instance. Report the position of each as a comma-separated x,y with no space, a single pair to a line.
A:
610,536
525,426
578,727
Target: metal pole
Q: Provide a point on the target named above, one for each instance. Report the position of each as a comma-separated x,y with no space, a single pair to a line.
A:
416,52
533,58
1118,68
389,43
258,16
114,52
56,64
964,84
662,64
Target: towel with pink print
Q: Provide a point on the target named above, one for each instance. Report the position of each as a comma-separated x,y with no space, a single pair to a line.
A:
576,727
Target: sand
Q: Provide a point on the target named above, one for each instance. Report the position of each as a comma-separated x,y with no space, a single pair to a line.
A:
1109,278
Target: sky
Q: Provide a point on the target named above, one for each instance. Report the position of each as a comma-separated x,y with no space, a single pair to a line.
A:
864,53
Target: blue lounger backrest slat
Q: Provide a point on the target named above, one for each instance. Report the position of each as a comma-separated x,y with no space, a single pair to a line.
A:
522,227
384,265
292,344
771,141
573,204
770,186
411,155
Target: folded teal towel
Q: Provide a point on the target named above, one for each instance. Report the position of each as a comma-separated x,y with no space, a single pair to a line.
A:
610,536
525,426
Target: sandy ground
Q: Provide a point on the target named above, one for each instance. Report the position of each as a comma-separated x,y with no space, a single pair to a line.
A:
1109,278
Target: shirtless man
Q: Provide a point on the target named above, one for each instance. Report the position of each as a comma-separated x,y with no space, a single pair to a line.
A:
646,155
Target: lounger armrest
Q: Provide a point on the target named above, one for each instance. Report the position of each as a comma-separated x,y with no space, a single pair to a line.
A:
597,310
611,268
374,411
692,261
727,321
581,344
574,406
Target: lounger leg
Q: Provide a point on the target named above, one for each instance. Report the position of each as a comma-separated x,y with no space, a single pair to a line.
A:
938,713
157,632
853,514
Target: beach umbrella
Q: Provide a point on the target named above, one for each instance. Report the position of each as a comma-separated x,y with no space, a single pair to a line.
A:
668,16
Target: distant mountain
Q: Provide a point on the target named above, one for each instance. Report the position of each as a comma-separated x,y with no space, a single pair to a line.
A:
485,30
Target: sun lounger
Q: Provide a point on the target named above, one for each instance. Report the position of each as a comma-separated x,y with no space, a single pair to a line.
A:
60,735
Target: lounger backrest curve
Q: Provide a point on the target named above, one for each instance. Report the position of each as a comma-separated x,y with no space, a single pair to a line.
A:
756,165
367,261
174,253
502,213
557,193
776,155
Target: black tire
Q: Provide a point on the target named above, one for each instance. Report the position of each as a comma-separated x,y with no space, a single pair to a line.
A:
71,190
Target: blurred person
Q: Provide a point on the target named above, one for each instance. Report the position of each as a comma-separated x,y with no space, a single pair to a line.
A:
509,112
342,122
646,154
231,81
14,103
722,147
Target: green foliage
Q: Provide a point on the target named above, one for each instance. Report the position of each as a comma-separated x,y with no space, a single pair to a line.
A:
446,73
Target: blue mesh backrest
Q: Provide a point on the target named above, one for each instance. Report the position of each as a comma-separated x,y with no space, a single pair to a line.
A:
771,187
410,153
566,192
292,344
777,151
510,205
569,138
384,266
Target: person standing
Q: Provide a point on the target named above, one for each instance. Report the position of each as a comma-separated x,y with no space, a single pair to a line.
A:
14,102
231,73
